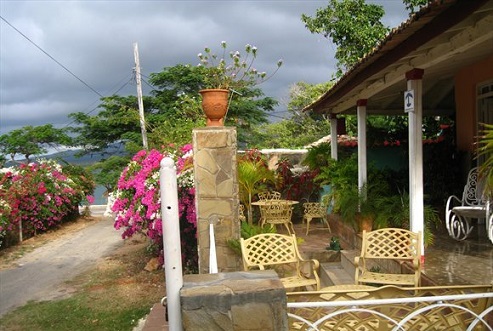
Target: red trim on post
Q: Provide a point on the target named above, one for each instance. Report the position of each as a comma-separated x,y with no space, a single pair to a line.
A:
415,74
362,102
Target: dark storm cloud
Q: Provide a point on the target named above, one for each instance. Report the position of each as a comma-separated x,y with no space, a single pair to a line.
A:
94,40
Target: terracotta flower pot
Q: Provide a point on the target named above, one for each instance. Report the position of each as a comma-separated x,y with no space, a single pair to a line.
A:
215,105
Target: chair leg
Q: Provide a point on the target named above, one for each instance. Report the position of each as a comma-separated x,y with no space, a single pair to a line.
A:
308,220
327,223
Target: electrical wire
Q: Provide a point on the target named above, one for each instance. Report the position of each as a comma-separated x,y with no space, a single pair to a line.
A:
51,57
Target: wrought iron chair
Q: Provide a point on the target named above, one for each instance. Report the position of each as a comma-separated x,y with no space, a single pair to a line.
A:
460,213
280,252
313,210
242,216
384,244
277,213
272,195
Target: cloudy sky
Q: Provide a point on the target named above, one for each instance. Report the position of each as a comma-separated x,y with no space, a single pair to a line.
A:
59,57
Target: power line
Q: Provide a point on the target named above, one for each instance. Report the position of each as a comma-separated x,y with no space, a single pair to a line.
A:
51,57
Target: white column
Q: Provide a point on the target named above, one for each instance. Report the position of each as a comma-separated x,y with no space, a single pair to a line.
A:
414,83
171,242
362,162
333,136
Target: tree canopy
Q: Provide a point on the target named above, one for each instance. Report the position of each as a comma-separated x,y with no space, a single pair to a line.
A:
32,140
354,27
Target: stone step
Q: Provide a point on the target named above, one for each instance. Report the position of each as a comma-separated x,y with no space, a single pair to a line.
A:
332,273
347,260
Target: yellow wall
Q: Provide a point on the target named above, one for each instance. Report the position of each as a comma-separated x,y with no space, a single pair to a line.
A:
466,81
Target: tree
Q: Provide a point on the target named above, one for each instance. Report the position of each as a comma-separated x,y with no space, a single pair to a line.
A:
302,128
107,172
32,140
171,112
414,5
352,25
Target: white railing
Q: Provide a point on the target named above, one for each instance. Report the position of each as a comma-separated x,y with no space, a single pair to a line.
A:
473,311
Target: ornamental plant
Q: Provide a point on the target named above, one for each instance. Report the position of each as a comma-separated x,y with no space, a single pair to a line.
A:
232,70
36,197
138,204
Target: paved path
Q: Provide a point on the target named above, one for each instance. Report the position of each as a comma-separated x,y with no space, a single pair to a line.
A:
40,274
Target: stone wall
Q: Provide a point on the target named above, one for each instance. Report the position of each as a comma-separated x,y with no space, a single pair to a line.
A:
235,301
216,194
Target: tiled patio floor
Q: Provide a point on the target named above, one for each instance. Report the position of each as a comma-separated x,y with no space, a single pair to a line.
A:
447,262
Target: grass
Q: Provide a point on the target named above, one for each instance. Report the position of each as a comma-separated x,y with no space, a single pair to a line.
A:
113,295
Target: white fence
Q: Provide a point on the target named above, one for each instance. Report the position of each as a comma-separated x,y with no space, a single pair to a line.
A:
390,309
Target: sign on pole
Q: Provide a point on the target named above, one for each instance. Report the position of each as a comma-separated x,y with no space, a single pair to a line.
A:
409,101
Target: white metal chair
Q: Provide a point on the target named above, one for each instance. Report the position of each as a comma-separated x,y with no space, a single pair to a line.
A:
460,213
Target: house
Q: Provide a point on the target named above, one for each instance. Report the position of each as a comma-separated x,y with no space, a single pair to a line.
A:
438,62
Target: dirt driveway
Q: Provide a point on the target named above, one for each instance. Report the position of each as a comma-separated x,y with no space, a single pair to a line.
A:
42,273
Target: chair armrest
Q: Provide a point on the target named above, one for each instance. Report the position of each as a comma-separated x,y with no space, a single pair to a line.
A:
453,201
356,261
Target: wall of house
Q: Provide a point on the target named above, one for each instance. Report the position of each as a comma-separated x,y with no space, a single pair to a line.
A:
466,81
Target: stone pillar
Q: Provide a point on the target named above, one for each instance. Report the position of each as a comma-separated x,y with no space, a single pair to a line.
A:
216,194
235,301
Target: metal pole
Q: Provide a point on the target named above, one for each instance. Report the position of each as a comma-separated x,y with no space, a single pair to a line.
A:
171,241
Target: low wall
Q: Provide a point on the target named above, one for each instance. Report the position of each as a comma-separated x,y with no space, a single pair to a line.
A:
234,301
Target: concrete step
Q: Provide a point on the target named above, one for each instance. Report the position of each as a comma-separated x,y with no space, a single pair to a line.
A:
332,273
347,260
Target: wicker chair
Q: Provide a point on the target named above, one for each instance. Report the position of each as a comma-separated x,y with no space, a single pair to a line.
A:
385,244
313,210
280,252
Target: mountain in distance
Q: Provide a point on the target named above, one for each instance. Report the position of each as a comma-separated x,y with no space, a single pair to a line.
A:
69,156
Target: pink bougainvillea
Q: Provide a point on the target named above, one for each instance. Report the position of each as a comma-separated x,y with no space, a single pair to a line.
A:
38,196
137,200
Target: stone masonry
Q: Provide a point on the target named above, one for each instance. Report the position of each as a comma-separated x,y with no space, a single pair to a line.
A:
216,194
234,301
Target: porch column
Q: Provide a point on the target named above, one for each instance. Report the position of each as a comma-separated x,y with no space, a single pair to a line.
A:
414,83
333,136
362,163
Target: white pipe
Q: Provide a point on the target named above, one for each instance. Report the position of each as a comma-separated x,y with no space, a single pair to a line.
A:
212,250
171,241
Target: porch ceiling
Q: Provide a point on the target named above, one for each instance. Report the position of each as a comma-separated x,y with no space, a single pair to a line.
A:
441,39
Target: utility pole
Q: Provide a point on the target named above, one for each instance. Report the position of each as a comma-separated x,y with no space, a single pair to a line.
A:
139,96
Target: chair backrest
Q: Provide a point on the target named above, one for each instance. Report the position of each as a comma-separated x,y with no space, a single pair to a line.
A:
268,249
315,209
391,243
273,195
473,190
277,212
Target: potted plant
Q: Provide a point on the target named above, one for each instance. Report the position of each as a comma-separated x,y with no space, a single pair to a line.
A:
228,73
360,207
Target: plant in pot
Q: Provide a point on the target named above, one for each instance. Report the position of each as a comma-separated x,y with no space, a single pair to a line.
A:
360,207
227,73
